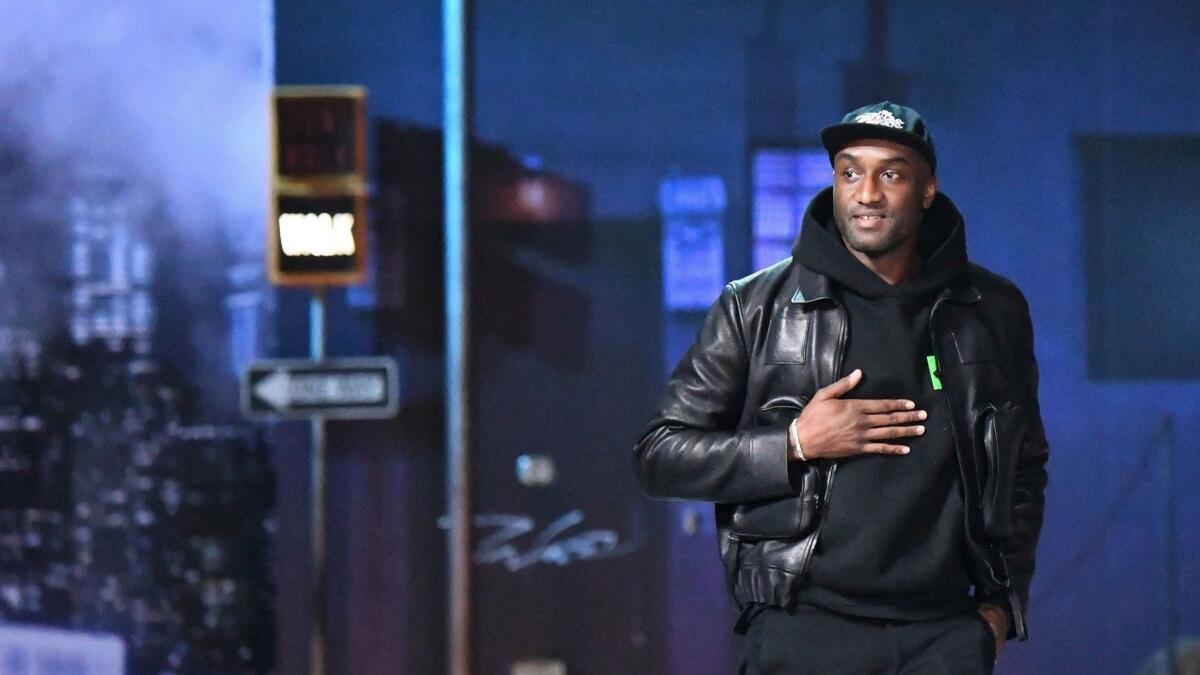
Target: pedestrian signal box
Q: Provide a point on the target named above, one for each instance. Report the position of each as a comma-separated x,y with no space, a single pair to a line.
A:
317,227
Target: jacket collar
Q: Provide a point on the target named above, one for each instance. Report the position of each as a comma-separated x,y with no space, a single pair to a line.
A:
813,286
962,291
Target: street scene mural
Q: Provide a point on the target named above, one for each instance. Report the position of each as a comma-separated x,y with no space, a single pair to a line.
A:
134,503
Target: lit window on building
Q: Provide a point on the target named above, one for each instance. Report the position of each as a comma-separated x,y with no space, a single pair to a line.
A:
693,210
784,180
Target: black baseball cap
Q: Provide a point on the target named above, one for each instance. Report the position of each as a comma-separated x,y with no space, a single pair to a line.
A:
885,120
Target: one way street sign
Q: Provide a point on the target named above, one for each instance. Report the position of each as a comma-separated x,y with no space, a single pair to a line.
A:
356,388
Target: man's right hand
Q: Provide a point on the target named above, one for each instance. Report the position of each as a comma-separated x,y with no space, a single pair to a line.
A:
833,427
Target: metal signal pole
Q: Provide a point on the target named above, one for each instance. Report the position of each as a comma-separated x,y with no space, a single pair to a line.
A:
318,625
457,111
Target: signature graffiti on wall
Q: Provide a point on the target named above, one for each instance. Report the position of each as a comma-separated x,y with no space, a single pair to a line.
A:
504,534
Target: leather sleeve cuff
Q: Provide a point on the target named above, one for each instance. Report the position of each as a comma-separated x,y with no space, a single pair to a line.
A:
768,460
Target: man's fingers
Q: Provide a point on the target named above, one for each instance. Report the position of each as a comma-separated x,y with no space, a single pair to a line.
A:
884,433
839,388
885,449
883,405
895,418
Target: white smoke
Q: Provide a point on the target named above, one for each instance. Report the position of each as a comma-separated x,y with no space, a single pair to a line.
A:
172,95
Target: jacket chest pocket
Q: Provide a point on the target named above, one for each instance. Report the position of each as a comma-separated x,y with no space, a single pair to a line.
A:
788,336
982,367
973,344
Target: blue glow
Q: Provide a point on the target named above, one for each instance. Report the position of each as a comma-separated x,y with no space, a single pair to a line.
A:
784,179
693,253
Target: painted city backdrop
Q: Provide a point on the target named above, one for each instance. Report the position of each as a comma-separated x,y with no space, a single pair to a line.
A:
134,502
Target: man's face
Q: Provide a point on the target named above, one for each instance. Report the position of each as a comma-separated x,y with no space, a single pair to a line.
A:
880,192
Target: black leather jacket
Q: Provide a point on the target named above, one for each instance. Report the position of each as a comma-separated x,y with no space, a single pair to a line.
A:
768,343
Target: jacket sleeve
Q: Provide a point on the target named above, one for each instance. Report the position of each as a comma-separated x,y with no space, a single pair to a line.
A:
1029,486
691,449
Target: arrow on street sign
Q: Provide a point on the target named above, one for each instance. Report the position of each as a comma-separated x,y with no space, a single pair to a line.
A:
354,388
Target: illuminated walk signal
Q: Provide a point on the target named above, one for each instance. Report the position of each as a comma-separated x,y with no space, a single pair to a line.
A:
318,240
317,230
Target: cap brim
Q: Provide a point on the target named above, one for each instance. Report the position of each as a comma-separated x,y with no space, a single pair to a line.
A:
837,136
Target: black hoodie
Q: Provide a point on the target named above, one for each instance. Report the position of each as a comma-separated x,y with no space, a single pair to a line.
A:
892,543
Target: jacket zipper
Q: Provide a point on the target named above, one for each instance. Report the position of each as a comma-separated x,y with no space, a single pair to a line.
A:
837,369
823,505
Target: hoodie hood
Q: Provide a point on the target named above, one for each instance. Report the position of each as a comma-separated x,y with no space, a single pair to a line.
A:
942,243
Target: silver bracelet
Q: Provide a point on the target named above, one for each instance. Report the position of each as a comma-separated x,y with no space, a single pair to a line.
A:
794,436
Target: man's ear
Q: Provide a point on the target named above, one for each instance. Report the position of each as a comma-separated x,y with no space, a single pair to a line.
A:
929,192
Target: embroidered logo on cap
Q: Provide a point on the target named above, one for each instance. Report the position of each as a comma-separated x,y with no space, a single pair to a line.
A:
883,118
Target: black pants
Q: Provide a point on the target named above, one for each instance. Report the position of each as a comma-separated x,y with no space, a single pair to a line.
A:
806,639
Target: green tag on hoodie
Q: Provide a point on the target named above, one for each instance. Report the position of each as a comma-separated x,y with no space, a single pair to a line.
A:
933,372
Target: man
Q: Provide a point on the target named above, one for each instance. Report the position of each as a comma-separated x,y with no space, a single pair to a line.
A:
879,355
